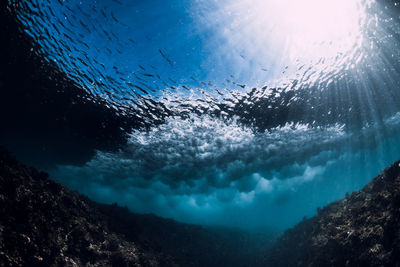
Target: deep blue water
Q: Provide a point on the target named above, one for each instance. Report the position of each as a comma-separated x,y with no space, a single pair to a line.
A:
251,113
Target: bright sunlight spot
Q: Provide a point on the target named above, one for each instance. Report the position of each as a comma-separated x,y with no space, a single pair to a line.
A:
313,29
280,36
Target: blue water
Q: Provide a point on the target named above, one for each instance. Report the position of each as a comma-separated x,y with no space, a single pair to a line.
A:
254,113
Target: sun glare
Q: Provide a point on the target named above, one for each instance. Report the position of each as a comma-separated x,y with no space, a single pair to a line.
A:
281,36
315,28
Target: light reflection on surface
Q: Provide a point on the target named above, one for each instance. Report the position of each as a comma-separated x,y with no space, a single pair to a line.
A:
201,44
277,35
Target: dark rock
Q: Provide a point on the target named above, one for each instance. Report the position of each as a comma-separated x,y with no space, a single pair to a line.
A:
362,229
42,223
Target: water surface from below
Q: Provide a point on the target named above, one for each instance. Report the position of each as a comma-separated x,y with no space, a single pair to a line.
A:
237,119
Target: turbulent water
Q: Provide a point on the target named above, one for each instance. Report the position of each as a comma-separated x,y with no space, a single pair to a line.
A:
248,114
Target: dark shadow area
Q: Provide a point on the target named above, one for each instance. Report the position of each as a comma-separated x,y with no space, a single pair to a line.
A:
45,118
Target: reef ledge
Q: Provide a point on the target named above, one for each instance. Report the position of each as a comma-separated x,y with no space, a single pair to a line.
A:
363,229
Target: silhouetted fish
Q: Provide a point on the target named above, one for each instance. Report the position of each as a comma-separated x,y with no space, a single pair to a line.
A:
113,17
141,89
165,57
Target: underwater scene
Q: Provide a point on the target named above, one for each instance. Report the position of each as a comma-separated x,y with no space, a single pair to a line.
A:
200,133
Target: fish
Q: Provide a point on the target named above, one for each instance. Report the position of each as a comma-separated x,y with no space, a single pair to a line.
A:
165,57
84,25
171,80
103,13
68,37
113,17
147,74
141,89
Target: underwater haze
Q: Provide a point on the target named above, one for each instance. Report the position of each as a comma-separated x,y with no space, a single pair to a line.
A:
247,113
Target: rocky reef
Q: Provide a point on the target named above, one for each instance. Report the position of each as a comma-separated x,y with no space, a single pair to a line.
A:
42,223
363,229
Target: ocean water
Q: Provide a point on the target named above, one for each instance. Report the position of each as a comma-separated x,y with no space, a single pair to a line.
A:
240,113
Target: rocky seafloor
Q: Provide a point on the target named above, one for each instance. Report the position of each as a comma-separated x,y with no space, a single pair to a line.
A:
363,229
42,223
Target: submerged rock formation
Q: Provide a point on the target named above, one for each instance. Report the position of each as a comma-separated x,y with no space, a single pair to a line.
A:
45,224
362,229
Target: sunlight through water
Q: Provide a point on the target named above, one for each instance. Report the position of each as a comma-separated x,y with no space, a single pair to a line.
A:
284,38
316,29
246,112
